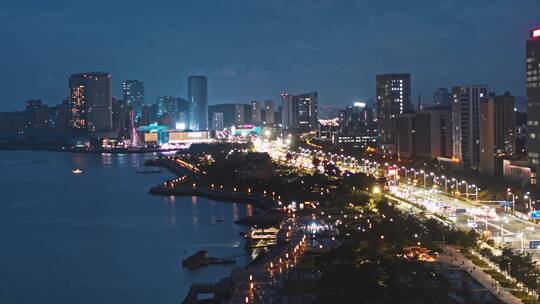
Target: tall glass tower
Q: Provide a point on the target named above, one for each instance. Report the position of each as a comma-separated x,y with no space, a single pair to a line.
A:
134,96
198,102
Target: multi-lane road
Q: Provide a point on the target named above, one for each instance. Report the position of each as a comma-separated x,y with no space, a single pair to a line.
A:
501,225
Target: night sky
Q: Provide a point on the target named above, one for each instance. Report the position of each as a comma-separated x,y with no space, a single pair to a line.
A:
259,48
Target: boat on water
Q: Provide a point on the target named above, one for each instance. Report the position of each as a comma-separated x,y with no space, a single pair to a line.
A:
77,171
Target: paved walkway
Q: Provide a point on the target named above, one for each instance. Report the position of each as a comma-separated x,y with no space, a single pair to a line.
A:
454,257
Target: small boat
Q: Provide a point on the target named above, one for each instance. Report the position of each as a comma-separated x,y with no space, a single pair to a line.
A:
77,171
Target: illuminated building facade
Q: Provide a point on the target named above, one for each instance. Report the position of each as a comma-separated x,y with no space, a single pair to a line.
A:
300,111
466,125
134,96
533,97
256,112
497,132
393,99
198,103
269,112
90,102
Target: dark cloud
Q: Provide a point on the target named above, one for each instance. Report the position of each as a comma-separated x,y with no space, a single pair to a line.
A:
259,48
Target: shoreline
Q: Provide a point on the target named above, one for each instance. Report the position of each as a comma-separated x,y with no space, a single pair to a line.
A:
215,194
85,151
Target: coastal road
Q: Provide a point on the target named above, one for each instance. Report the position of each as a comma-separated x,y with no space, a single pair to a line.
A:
466,214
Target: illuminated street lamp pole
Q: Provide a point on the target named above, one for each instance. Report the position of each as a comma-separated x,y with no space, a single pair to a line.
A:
466,189
503,221
445,183
528,197
475,192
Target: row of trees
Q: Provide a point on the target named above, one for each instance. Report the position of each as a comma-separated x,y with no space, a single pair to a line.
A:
518,265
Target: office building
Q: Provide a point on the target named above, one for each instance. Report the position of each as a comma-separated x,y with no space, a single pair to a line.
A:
256,112
269,113
466,125
90,101
433,132
37,115
134,96
234,114
405,134
148,115
198,103
167,105
393,99
497,132
121,117
442,97
300,112
533,97
217,121
288,109
307,111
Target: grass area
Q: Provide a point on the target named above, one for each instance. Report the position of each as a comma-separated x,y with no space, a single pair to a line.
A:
476,260
500,278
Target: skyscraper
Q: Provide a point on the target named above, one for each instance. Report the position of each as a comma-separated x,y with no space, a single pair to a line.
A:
307,111
217,121
533,97
288,110
134,96
393,99
198,103
256,111
466,125
269,112
300,111
90,101
442,97
497,132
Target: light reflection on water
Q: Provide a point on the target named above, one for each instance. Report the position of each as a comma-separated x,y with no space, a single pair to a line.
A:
99,237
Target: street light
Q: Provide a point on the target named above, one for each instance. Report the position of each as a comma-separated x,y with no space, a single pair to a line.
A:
466,189
503,221
422,171
445,183
528,197
475,192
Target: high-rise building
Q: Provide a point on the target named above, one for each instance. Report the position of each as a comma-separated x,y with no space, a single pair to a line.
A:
433,131
288,111
393,99
147,115
90,101
134,96
217,121
269,111
300,111
121,117
198,103
497,132
167,104
442,97
307,111
234,114
256,112
37,115
466,125
533,97
405,134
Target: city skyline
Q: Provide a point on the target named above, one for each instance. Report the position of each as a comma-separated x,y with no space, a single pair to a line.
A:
340,67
